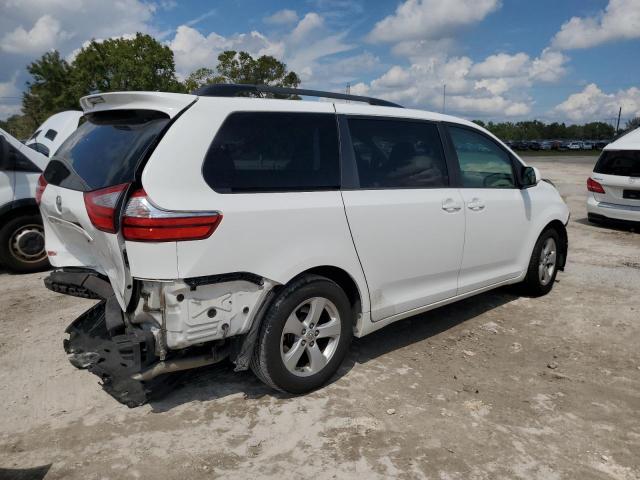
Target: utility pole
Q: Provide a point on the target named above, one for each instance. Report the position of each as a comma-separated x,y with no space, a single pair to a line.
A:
348,90
444,97
618,124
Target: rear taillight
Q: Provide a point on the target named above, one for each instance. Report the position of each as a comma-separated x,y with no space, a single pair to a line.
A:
144,222
101,207
594,186
42,184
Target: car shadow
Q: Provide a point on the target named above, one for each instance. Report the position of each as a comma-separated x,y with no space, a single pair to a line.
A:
34,473
219,381
619,226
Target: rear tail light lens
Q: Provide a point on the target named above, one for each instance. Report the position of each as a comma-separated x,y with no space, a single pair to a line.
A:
144,222
42,184
594,186
101,207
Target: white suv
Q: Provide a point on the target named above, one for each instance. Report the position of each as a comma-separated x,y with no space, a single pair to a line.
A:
270,231
614,185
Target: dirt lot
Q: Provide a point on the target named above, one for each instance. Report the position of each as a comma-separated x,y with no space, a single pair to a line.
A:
494,387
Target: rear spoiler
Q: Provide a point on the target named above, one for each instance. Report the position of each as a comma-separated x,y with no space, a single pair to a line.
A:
169,103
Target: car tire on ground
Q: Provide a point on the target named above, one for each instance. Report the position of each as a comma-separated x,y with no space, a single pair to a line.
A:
304,335
22,244
543,265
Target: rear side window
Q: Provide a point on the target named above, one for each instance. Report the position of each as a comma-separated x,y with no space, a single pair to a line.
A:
483,164
105,150
274,152
625,163
51,134
17,161
398,154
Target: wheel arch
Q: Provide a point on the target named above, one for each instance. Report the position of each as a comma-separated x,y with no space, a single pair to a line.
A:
344,280
561,230
25,206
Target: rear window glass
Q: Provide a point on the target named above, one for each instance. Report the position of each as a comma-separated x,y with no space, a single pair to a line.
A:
38,147
625,163
274,151
105,150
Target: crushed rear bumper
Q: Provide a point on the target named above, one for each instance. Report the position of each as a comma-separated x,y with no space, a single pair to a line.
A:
114,358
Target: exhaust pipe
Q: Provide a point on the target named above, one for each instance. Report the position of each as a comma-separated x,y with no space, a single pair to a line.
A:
170,366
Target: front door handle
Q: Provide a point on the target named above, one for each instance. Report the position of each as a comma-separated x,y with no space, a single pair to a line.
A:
450,205
476,205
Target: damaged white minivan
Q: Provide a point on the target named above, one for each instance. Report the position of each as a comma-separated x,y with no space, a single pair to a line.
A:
270,231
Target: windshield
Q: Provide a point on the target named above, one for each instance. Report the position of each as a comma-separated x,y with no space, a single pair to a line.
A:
105,150
625,163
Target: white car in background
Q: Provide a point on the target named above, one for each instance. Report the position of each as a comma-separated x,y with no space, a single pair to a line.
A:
574,146
21,230
55,130
614,185
272,231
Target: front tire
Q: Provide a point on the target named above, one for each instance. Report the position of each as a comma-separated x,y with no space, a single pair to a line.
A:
304,336
22,244
543,265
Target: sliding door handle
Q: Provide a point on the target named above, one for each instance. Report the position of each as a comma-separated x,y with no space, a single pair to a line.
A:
450,205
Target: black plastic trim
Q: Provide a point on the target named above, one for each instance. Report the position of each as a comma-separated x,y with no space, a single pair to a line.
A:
195,282
234,89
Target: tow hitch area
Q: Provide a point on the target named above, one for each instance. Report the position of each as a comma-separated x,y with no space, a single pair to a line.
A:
116,359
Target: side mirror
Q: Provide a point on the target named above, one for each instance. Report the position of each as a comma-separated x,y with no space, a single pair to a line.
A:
530,177
4,153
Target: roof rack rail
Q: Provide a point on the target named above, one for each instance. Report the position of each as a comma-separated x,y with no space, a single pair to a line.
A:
234,89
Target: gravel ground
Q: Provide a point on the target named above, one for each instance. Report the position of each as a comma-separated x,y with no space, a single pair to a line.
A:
494,387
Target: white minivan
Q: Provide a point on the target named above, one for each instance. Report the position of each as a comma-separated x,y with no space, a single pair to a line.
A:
614,185
270,231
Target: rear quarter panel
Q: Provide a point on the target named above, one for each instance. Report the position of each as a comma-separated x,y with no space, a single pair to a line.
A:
274,235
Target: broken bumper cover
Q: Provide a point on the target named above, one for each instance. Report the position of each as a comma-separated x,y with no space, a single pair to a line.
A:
115,359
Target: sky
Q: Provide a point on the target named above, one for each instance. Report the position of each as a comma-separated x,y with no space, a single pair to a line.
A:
553,60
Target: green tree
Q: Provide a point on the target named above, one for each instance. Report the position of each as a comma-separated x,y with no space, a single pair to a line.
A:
20,126
632,124
200,77
140,63
48,92
241,67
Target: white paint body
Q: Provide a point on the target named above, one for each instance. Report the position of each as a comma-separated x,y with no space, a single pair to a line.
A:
17,185
63,124
405,252
612,203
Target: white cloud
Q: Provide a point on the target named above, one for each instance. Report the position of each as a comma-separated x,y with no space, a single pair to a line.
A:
549,66
502,65
619,21
45,33
194,50
282,17
430,19
34,26
593,104
303,49
495,86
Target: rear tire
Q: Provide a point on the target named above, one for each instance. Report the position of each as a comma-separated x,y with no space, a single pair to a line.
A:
304,336
543,265
22,244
